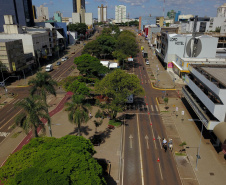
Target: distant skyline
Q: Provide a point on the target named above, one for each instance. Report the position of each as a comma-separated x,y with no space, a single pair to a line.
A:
136,8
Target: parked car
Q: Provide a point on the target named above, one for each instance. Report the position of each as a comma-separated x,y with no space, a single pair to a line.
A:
58,63
49,68
147,61
64,59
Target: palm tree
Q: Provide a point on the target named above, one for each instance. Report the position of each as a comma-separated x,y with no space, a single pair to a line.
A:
42,84
30,118
78,111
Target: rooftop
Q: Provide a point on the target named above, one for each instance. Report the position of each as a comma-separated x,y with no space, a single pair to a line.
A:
215,73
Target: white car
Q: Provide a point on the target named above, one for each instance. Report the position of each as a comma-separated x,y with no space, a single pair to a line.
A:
147,62
64,59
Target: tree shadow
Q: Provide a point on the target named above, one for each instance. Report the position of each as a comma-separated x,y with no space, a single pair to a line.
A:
103,135
84,130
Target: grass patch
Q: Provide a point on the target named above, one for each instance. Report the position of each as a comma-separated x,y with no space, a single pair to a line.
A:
165,111
115,123
180,154
16,134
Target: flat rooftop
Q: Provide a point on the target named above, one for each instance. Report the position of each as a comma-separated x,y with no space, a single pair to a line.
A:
217,73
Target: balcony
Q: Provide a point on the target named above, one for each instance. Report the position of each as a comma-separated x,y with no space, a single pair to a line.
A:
198,107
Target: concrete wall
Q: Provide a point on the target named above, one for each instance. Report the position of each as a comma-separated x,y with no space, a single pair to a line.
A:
89,19
75,18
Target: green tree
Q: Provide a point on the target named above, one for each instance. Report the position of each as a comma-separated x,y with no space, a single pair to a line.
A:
90,66
49,161
166,101
125,46
118,85
93,48
80,28
41,85
33,110
218,29
79,88
107,44
78,111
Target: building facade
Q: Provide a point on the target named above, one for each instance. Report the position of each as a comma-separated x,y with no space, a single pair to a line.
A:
78,5
58,16
221,11
120,14
42,12
12,54
159,21
185,46
102,13
20,9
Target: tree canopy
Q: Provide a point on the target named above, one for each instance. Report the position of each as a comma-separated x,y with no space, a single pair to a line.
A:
50,161
118,85
80,28
90,66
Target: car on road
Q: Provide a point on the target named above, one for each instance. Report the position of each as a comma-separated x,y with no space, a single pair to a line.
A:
64,59
147,61
58,63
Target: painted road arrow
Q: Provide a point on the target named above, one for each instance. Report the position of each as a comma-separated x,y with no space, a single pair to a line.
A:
159,138
146,137
131,137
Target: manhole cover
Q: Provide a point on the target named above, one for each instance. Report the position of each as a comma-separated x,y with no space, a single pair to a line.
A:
211,173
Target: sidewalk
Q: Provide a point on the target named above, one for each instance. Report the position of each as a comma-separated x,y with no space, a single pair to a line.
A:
211,168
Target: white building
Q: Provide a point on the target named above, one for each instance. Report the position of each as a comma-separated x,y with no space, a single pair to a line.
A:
102,13
221,11
185,46
42,12
86,18
120,14
206,94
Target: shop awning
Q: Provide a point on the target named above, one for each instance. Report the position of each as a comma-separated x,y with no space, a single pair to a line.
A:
220,131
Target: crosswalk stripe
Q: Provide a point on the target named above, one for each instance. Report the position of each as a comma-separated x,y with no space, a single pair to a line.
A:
152,108
156,108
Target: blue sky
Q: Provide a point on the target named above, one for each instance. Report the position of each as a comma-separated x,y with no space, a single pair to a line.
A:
137,8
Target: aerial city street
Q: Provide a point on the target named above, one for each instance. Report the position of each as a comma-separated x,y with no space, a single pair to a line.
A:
138,99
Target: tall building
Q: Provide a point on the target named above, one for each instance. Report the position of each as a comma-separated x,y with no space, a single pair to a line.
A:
120,13
20,9
221,11
58,16
78,5
43,12
102,13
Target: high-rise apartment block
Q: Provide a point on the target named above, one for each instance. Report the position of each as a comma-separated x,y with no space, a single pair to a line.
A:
42,12
78,5
221,11
20,9
120,14
102,13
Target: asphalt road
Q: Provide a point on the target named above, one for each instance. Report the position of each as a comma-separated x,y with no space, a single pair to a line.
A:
9,111
146,162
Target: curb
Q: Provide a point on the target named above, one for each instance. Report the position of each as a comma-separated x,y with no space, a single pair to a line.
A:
161,89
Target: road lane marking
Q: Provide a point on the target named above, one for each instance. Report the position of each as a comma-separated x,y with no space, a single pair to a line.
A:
146,137
11,119
152,108
156,108
159,138
141,165
10,109
130,139
152,131
160,171
16,101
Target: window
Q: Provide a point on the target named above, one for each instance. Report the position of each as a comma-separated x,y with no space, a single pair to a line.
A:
3,57
2,48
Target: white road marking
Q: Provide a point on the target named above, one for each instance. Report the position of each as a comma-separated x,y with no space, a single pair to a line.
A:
10,109
160,171
130,139
141,165
156,106
152,108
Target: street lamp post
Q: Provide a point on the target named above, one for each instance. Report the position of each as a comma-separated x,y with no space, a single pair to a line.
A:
198,156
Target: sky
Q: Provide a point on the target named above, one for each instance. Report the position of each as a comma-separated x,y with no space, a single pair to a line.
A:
137,8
